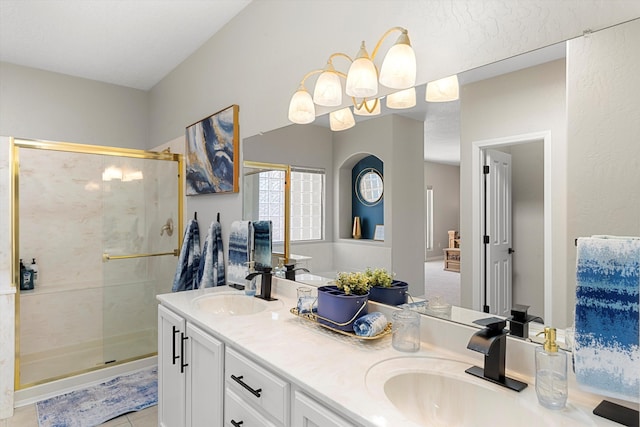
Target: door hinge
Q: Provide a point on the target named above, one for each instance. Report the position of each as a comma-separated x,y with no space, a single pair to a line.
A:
485,169
485,240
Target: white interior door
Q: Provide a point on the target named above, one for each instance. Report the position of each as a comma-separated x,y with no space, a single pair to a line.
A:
498,234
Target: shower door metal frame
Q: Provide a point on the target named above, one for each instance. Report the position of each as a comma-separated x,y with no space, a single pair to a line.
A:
18,143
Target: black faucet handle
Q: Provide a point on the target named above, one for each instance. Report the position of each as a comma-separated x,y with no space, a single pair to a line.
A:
519,313
493,324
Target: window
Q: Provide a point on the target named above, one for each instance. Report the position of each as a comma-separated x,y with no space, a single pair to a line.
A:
428,200
307,203
271,202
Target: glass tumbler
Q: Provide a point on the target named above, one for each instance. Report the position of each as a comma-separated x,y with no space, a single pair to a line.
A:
406,331
305,301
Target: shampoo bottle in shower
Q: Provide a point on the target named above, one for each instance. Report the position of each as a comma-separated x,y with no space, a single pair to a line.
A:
551,372
26,278
34,268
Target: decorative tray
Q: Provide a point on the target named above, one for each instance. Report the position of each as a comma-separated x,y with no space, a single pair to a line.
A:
312,317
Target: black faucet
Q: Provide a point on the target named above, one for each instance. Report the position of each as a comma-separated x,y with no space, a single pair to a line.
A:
290,272
492,342
265,283
519,321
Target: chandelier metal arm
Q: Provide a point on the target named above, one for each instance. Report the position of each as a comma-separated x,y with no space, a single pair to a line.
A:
333,55
365,104
384,36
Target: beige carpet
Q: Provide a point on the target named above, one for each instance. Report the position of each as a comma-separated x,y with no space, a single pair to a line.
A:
438,282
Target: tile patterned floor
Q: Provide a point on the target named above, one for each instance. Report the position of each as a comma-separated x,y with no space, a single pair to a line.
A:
26,417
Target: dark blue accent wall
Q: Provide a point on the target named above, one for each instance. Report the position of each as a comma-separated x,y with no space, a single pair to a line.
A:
370,216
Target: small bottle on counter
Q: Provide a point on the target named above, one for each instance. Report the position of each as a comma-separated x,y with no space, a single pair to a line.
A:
551,372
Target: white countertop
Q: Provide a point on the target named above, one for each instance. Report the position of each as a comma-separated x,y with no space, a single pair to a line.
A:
332,367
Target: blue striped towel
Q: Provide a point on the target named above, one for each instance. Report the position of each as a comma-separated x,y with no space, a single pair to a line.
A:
186,277
370,324
606,353
262,246
239,247
211,269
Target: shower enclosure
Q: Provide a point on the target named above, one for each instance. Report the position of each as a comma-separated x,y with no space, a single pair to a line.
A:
104,227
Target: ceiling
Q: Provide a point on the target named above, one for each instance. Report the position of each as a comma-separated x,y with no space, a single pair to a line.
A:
132,43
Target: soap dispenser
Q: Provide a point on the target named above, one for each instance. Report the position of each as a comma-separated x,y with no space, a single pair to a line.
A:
551,372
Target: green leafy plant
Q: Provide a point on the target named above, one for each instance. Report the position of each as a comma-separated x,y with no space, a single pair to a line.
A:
355,283
379,277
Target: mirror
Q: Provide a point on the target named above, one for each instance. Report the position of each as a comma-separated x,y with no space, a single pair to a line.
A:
564,178
369,187
265,196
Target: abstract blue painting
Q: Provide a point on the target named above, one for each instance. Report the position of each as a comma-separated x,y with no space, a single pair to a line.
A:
212,153
607,352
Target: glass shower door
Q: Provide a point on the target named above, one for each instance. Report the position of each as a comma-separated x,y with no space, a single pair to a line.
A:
140,236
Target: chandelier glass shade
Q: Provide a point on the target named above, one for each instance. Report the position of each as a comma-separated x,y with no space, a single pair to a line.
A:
301,108
341,119
402,99
398,71
399,66
328,89
443,90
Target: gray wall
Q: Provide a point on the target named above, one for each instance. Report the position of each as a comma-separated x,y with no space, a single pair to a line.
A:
445,180
36,104
603,171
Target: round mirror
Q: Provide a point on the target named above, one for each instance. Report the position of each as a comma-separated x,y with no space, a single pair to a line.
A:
369,186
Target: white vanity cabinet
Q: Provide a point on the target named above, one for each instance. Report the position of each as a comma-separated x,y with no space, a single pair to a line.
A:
257,389
190,368
309,413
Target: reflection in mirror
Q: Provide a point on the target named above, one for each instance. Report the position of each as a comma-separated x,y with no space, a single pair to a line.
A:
534,98
369,186
266,198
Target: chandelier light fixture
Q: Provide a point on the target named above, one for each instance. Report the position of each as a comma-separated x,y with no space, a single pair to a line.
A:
397,72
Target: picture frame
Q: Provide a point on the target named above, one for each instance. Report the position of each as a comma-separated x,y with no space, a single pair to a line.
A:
379,233
213,153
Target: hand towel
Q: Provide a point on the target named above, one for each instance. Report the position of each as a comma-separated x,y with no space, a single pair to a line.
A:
211,269
370,324
606,352
186,277
239,247
262,245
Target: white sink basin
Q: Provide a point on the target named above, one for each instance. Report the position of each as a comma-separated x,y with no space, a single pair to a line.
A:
437,392
230,304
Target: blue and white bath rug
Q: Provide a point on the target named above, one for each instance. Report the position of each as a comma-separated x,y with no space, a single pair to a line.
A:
95,405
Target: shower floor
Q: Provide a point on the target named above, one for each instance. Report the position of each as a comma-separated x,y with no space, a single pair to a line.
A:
47,366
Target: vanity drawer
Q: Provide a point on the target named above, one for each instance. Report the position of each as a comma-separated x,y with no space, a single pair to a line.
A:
238,413
256,385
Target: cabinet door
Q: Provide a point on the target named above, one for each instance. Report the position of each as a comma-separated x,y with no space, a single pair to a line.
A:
309,413
205,388
171,378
